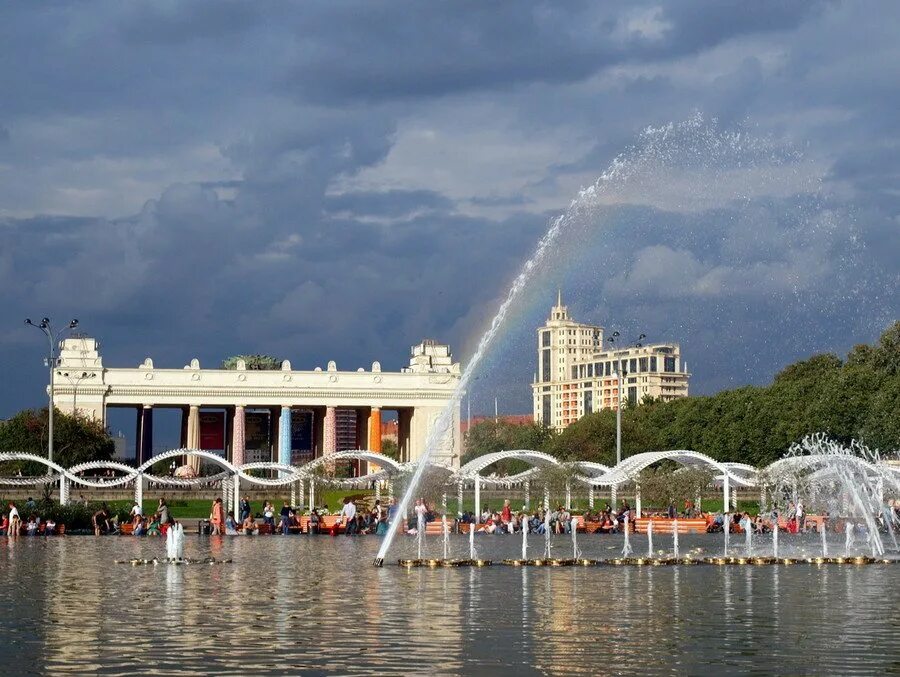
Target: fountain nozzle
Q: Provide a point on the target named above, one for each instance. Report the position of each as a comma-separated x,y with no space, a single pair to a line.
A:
379,562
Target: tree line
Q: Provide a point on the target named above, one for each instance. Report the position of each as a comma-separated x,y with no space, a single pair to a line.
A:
855,398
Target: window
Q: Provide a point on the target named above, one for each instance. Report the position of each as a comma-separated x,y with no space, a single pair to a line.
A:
608,369
590,373
546,416
545,364
588,402
670,365
653,363
632,395
545,339
632,365
574,371
643,364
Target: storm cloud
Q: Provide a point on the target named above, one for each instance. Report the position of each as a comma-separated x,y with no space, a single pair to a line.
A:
339,180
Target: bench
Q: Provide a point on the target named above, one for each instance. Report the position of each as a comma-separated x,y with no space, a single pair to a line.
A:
326,524
665,525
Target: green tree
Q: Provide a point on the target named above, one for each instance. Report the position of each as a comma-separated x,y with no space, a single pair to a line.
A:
76,439
254,362
487,437
389,448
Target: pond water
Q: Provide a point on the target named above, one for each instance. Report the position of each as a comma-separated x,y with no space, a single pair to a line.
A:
316,605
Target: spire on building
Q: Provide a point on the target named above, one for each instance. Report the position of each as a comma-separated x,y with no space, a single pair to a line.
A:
559,311
559,297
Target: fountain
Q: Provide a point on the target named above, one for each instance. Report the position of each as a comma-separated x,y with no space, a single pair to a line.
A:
472,541
675,537
626,548
446,533
848,538
175,543
747,526
547,545
574,526
660,148
775,537
823,531
525,540
726,528
420,530
650,538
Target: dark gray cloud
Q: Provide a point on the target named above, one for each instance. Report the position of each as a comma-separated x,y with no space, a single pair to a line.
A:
338,180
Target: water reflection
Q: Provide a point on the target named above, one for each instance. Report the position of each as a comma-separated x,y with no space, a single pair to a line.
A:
316,604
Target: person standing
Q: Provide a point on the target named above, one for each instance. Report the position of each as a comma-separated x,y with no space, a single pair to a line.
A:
244,508
14,520
348,516
286,515
800,517
217,517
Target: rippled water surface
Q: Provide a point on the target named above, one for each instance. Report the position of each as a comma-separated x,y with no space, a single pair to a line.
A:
316,605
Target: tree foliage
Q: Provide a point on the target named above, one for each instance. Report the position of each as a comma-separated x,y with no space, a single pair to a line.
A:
855,399
858,398
76,439
253,362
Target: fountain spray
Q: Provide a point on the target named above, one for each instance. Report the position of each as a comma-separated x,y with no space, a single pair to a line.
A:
525,539
726,528
824,532
446,533
626,548
650,538
848,538
472,540
675,537
775,538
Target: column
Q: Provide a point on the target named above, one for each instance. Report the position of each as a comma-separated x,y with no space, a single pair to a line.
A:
726,499
568,496
284,436
184,428
237,436
528,494
139,489
375,430
459,499
591,497
330,435
193,434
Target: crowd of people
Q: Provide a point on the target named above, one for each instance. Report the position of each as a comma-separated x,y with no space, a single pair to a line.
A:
13,524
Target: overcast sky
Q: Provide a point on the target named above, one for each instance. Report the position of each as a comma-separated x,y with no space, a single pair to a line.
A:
338,180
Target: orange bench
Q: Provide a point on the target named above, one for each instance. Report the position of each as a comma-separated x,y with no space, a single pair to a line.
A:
326,523
665,525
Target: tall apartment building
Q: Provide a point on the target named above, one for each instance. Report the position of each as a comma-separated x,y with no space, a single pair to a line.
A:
577,373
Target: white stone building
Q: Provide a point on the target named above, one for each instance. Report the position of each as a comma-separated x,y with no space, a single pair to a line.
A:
286,415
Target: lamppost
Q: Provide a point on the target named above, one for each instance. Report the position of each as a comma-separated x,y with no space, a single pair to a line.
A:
52,339
75,380
621,372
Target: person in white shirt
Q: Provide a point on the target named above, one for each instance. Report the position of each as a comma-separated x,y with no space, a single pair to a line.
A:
14,520
137,510
348,516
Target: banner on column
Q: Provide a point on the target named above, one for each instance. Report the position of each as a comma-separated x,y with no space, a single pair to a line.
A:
257,447
301,436
212,431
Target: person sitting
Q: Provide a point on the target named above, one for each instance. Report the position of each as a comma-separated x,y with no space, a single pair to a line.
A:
139,526
230,524
49,527
31,527
315,522
153,529
249,526
4,525
269,514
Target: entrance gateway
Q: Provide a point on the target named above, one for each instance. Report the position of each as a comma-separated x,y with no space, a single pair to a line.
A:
283,415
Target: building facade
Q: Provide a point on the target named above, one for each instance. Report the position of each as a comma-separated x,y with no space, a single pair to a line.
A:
283,415
577,373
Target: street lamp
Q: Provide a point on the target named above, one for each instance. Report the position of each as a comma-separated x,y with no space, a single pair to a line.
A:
52,339
75,380
621,372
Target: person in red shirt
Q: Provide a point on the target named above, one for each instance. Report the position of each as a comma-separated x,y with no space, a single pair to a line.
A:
506,516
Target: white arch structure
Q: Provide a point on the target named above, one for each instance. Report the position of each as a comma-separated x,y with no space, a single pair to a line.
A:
271,474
